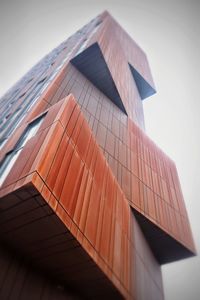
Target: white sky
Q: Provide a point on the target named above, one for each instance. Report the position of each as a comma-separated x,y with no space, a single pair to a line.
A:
168,31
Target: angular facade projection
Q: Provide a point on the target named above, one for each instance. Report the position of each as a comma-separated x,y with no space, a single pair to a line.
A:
90,207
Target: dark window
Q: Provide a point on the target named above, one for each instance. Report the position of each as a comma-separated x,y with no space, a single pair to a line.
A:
98,23
22,95
12,156
42,80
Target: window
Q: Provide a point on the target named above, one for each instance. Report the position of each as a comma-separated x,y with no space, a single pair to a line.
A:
41,81
8,164
98,23
91,34
82,46
30,80
49,80
22,95
12,156
2,143
6,120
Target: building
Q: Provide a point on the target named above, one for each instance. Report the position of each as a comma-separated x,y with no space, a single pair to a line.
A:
90,207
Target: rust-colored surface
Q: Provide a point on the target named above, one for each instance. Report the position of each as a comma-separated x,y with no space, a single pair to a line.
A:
67,177
91,197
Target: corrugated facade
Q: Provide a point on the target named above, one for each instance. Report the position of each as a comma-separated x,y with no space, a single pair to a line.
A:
90,207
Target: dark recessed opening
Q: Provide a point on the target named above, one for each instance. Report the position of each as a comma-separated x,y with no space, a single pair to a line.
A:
22,95
144,88
164,247
91,64
42,80
98,23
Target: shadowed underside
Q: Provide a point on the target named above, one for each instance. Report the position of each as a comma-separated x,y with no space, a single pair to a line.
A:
92,64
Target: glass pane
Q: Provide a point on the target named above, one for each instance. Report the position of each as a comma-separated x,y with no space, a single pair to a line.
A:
30,132
7,165
11,158
2,143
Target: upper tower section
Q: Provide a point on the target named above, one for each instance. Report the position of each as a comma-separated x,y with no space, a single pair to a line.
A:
107,53
102,51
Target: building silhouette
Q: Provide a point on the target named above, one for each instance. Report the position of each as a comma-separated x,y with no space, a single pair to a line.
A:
90,206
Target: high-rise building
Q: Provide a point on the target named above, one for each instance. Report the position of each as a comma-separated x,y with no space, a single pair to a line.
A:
90,207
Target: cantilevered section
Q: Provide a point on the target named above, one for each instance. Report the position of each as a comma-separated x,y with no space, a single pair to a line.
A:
31,228
53,219
92,64
144,88
164,247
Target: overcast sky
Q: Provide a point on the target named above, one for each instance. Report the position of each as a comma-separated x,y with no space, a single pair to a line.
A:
168,31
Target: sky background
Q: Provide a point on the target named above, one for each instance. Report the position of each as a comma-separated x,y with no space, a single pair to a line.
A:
169,32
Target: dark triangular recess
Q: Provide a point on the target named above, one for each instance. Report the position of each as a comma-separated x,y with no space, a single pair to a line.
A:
165,248
92,65
144,88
